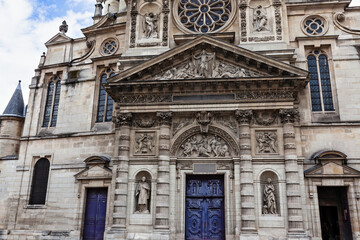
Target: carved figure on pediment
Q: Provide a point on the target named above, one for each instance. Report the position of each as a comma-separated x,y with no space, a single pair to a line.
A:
269,206
144,143
143,194
266,142
260,19
150,25
205,146
204,64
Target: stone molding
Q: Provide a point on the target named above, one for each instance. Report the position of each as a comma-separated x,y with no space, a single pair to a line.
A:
164,118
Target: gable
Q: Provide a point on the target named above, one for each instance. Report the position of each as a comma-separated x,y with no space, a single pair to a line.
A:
332,169
94,172
58,38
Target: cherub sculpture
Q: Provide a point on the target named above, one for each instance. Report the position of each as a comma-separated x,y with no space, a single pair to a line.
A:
150,25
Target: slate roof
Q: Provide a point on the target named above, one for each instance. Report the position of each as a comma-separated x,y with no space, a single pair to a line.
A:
15,106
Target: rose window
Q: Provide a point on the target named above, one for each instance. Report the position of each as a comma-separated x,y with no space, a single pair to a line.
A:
109,47
314,25
204,16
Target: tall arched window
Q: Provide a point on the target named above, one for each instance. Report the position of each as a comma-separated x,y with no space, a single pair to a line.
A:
52,102
39,182
320,83
105,104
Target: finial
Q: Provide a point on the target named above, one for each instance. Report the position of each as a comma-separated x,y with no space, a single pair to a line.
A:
63,27
98,8
42,60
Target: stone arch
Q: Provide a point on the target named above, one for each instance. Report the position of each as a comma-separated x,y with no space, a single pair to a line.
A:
329,155
226,137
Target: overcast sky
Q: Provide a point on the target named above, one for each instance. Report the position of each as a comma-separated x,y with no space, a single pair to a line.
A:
25,26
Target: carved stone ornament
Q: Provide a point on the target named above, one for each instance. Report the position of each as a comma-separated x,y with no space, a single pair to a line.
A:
205,65
144,144
270,94
123,119
180,123
204,145
145,98
266,142
269,206
288,115
243,7
228,122
260,20
164,118
277,7
150,25
204,119
144,121
143,193
265,118
244,116
165,12
63,27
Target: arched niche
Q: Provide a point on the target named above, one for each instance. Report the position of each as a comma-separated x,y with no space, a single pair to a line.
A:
142,192
269,185
214,143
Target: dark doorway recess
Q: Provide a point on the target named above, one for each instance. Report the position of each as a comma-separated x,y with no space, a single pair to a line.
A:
334,213
95,214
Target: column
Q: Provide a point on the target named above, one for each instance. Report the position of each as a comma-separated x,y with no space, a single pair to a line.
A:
295,218
163,179
122,123
248,225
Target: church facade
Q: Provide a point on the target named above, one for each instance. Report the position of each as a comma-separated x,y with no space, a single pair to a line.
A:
191,120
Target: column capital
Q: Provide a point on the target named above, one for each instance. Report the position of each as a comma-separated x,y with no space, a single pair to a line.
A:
164,118
244,116
289,115
123,119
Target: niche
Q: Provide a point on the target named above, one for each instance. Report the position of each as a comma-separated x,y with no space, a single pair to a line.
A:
142,193
270,200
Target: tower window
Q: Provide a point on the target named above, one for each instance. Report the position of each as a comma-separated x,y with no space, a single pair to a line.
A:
52,102
320,83
39,182
105,104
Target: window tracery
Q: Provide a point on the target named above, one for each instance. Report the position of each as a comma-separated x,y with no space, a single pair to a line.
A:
314,26
320,82
52,102
109,47
105,103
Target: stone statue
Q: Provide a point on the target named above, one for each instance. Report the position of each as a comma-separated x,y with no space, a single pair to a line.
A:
150,25
266,142
260,19
144,143
143,193
269,198
204,64
205,146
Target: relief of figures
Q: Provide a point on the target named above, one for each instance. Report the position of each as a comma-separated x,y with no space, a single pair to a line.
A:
144,143
260,20
150,21
266,142
205,65
269,206
205,146
142,193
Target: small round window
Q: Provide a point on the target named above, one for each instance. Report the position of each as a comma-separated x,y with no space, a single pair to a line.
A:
314,26
109,47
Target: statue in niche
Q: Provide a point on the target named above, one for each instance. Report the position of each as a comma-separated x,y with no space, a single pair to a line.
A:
143,193
266,142
204,64
150,25
144,143
269,198
260,19
205,146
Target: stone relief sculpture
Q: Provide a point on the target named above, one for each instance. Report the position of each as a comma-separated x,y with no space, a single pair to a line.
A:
266,142
203,145
150,21
205,65
204,119
260,19
144,143
269,206
142,192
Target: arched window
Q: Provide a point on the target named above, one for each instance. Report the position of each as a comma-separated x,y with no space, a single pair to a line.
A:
320,83
39,182
52,102
105,104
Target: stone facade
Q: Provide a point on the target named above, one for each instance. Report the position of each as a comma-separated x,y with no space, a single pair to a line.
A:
227,99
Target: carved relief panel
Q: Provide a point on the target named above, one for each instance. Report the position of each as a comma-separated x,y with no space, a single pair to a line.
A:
144,143
267,142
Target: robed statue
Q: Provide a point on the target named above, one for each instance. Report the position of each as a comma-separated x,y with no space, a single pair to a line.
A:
269,198
143,193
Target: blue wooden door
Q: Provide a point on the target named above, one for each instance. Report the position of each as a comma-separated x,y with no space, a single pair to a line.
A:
204,213
95,214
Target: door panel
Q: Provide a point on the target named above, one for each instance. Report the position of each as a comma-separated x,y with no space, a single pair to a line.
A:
204,208
95,214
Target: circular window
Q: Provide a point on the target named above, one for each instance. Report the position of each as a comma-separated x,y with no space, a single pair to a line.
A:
203,16
314,25
109,47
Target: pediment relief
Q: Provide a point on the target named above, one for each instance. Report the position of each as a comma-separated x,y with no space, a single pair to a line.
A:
94,172
332,169
58,38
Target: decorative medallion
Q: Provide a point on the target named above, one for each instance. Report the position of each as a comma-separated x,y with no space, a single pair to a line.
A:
314,26
203,16
109,47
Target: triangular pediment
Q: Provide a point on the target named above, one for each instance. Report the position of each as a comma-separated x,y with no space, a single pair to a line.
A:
58,38
94,172
206,58
332,169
